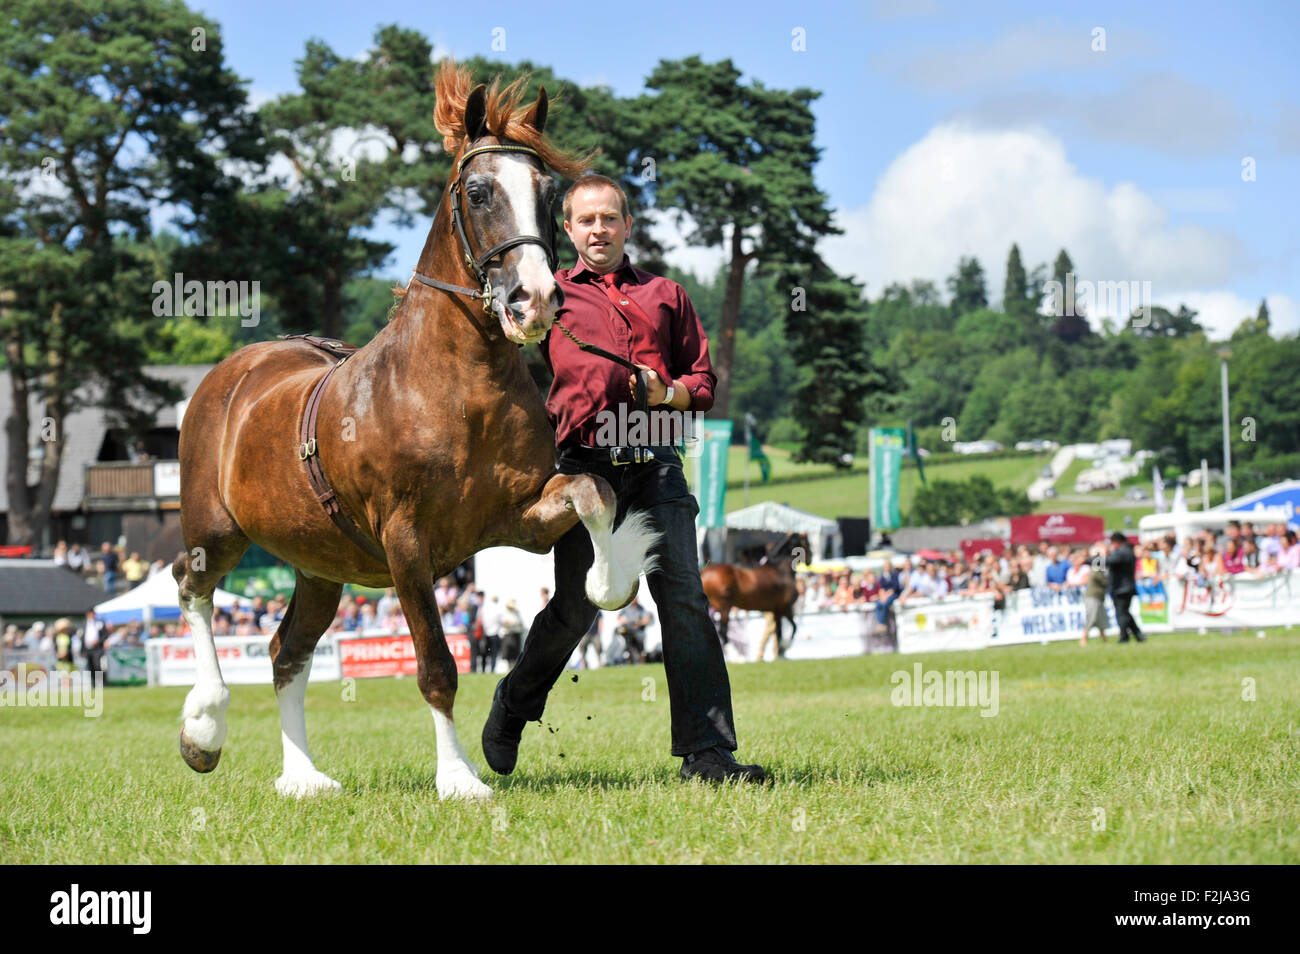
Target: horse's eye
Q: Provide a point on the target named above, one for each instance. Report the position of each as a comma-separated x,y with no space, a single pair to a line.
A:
477,194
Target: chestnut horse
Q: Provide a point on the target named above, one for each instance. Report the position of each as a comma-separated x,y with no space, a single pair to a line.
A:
769,587
433,437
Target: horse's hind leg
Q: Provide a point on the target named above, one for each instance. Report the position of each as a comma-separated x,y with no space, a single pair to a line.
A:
197,571
310,613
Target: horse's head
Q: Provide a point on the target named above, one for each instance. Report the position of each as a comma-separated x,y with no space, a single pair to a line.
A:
501,201
793,549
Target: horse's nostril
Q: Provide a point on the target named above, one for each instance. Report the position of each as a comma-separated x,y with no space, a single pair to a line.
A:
557,296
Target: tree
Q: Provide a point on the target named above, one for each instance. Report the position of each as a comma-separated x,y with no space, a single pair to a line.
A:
738,161
967,287
838,383
952,503
1015,289
1071,323
1159,322
105,115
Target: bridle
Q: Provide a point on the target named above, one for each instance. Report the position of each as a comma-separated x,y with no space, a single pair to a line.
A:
477,265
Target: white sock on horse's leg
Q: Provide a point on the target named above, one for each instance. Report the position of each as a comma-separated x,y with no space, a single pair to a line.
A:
205,705
457,777
620,559
300,777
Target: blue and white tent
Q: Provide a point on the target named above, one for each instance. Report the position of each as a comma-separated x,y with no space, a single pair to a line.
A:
154,599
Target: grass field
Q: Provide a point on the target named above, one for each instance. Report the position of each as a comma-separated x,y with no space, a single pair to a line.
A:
1105,754
839,495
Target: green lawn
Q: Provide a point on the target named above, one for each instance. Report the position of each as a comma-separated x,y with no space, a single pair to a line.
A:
837,494
1105,754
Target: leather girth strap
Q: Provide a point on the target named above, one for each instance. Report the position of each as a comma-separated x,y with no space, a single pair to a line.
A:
308,453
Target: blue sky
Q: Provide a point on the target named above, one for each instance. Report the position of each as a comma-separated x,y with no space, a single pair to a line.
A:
948,128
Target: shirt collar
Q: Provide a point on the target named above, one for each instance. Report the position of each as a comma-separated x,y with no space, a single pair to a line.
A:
624,271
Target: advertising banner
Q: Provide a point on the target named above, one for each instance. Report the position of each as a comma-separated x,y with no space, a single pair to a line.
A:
363,657
1041,614
126,666
715,441
1239,600
243,660
946,624
1057,528
886,462
1153,602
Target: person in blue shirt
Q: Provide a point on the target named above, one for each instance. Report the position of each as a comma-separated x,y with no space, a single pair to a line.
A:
1057,568
891,587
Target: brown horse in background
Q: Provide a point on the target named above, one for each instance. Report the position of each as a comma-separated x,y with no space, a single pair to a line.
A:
768,587
433,438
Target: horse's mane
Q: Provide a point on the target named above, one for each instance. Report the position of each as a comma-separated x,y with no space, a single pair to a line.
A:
505,119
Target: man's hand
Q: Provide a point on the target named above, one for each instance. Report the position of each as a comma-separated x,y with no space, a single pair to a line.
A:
656,387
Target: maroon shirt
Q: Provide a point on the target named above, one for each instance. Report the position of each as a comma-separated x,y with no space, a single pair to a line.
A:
675,346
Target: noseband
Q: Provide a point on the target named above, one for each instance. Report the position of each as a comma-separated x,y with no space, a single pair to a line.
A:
477,265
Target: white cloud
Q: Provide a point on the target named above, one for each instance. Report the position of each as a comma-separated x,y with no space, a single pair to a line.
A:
1220,312
966,191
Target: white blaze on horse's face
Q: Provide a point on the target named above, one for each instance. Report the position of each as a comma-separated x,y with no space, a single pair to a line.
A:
526,299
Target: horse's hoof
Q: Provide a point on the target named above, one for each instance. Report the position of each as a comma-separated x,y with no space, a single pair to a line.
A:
195,757
306,784
461,783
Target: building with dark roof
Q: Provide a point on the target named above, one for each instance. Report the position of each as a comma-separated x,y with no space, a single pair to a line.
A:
101,494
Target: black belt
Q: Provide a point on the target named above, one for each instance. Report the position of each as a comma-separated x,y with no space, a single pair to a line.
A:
619,456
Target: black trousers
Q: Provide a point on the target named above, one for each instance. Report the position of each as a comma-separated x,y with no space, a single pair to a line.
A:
699,690
1123,615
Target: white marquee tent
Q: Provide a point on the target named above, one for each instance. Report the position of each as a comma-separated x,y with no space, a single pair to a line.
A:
823,533
154,599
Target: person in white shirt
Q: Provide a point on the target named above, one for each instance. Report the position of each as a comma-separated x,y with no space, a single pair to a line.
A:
1079,569
920,584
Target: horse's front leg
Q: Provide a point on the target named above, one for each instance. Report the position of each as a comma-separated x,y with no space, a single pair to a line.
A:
620,555
436,667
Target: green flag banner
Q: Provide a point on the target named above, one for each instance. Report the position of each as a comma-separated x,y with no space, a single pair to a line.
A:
911,449
756,453
886,460
715,439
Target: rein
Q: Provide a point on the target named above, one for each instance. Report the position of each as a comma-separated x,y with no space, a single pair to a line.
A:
476,266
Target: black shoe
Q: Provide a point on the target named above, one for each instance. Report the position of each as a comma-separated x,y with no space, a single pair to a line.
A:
718,765
501,734
1140,638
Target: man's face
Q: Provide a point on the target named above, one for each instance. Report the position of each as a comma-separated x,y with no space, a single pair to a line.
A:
597,229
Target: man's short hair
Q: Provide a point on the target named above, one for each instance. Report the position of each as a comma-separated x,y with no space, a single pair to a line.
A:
1118,537
590,180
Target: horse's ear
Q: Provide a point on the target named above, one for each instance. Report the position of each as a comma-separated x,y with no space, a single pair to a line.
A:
475,113
537,114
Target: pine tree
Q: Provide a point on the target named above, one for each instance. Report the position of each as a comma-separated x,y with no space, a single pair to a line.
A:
967,287
1015,290
838,379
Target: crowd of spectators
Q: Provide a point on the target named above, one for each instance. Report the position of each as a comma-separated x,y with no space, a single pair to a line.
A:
1240,549
108,565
